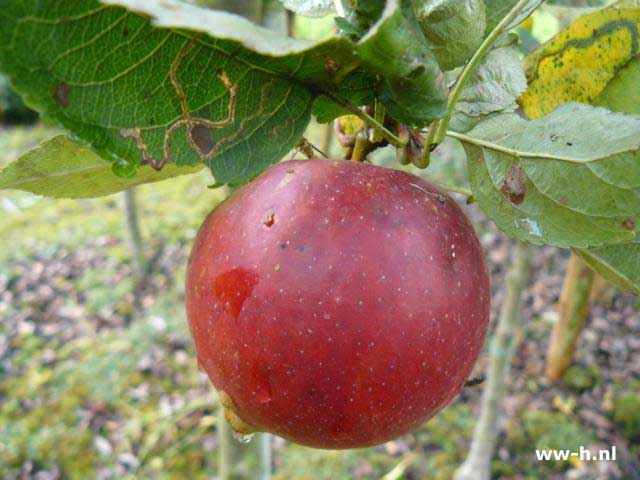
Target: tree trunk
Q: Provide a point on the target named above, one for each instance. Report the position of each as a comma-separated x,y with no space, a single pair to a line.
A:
133,229
477,466
573,309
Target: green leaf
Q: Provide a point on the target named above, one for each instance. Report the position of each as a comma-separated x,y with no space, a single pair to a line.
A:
494,86
204,87
621,93
166,82
455,27
356,87
63,168
413,89
349,28
498,9
618,264
557,180
362,14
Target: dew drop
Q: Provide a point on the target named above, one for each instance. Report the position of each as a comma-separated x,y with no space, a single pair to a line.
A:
243,437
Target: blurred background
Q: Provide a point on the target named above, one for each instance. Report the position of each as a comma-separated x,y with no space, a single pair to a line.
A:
98,377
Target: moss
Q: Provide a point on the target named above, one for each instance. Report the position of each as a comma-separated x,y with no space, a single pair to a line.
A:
502,469
581,379
44,416
447,437
626,414
540,429
50,433
304,463
555,430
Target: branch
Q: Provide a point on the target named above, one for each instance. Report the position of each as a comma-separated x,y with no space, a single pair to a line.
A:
483,49
133,228
478,462
263,444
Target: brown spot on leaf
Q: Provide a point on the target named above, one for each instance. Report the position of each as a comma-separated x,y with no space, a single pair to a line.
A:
61,94
629,224
201,138
514,186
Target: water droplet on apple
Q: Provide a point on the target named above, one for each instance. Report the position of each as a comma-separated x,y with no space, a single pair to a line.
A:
243,437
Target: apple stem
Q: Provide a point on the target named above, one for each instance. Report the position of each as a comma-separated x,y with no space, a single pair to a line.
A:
477,465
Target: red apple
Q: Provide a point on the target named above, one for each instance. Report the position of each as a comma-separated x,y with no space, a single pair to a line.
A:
337,304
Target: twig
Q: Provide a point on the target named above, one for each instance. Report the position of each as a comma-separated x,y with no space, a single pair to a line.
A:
399,470
452,188
362,147
477,466
133,227
263,445
429,143
327,138
483,49
365,117
378,114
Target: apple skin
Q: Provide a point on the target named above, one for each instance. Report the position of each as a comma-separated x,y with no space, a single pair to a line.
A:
337,304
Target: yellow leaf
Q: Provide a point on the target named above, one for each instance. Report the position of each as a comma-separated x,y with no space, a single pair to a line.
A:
350,124
579,62
527,24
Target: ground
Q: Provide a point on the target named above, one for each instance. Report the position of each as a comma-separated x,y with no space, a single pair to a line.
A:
98,376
